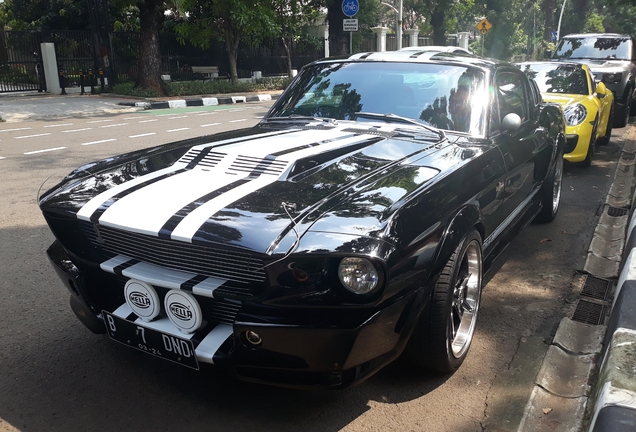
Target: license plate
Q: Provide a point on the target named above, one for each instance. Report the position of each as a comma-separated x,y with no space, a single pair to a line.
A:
150,341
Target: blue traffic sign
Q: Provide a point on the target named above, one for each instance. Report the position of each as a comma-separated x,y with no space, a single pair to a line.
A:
553,36
350,7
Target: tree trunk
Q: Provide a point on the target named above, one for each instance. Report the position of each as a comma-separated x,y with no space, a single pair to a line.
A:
549,7
149,71
338,40
288,55
231,45
439,29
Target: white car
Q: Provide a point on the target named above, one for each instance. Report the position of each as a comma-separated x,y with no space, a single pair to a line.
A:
438,48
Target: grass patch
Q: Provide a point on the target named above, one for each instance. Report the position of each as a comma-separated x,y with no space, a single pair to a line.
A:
191,88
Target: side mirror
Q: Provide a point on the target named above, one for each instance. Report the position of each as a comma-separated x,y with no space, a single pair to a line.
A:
601,90
511,122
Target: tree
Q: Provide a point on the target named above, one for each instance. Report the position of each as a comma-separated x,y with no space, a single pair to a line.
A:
291,18
226,20
151,13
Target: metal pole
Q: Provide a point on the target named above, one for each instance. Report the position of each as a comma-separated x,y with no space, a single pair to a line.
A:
399,28
558,35
350,43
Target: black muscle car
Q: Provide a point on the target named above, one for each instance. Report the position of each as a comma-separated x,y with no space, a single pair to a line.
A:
354,223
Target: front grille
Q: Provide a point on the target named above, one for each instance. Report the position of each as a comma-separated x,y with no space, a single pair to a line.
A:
243,271
570,143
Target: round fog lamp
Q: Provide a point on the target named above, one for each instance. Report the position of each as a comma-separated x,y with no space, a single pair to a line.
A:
183,310
142,299
358,275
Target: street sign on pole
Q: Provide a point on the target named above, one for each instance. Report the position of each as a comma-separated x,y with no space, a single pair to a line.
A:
483,26
350,24
350,7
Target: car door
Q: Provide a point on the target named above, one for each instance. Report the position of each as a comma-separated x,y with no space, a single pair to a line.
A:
525,150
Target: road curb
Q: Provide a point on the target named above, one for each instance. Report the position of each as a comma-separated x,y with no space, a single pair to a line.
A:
615,396
202,101
564,386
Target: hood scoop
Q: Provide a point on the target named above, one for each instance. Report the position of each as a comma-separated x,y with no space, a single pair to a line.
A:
202,158
257,166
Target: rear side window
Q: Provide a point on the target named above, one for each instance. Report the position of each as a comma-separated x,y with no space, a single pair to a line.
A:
512,94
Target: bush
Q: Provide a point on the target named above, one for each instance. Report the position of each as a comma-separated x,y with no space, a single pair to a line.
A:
209,87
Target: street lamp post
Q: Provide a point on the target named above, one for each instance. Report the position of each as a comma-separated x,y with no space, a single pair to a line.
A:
398,30
558,34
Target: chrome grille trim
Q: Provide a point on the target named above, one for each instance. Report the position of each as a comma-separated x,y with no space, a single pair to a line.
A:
240,267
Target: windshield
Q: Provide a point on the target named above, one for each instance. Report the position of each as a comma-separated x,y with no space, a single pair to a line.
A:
594,48
558,78
446,97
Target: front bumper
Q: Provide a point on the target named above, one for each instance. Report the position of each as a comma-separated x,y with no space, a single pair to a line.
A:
578,140
299,347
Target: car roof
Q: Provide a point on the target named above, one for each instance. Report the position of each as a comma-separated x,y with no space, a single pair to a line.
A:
440,48
596,35
416,57
553,63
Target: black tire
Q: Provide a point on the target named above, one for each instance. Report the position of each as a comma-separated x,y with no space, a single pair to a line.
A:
623,114
605,139
551,193
590,148
445,330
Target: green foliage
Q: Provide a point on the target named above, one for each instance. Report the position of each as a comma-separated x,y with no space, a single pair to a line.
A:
192,88
594,24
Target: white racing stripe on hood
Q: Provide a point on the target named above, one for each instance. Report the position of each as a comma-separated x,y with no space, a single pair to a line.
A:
146,210
89,208
188,227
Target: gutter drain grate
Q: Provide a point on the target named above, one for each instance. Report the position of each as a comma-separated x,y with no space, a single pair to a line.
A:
589,313
616,211
628,156
595,288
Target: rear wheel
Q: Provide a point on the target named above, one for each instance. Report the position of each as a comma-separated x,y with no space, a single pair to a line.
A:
445,330
551,193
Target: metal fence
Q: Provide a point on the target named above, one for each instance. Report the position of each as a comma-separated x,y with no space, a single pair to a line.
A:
20,61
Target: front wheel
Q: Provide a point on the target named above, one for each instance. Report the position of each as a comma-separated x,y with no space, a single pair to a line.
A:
605,139
550,193
445,330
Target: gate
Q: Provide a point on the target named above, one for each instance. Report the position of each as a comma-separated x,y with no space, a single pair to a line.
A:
21,61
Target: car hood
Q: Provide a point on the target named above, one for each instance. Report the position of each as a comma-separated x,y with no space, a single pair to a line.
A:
254,187
604,65
563,99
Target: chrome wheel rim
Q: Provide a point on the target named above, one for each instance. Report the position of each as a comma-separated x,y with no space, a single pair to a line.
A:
556,186
466,296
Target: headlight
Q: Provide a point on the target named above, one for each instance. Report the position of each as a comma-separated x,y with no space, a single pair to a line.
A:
612,77
575,114
358,275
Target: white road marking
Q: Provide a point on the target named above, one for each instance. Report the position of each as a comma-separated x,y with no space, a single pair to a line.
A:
16,129
118,124
177,130
98,121
178,117
100,141
146,121
195,112
76,130
207,113
236,121
210,124
2,157
258,116
58,125
236,110
132,118
163,115
32,136
43,151
142,135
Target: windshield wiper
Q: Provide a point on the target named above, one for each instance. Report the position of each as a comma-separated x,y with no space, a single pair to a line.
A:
296,117
396,117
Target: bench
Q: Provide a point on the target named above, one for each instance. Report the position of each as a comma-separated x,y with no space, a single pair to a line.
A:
206,71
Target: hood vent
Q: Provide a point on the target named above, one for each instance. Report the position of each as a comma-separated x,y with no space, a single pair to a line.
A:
257,166
370,132
210,160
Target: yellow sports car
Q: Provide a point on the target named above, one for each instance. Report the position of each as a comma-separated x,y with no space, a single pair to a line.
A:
588,107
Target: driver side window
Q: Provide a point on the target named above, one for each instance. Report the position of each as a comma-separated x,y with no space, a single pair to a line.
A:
511,94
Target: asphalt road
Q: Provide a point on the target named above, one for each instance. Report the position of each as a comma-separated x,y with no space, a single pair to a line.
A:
56,375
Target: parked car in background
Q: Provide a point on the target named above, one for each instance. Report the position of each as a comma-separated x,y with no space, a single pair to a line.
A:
588,107
612,59
355,222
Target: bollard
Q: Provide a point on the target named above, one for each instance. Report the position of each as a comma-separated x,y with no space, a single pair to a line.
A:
62,82
101,78
81,79
90,79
